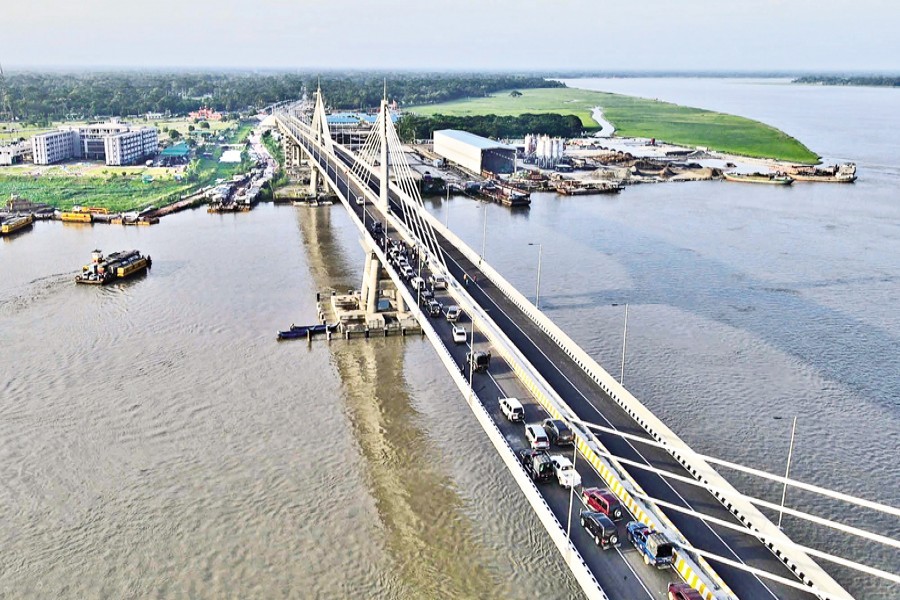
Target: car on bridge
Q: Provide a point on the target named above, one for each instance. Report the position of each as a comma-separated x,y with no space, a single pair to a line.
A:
682,591
536,436
603,501
360,200
438,282
537,464
512,409
434,308
559,432
566,474
459,334
417,283
479,361
600,528
453,312
654,546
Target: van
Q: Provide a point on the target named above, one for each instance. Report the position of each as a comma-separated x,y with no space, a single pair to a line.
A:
438,282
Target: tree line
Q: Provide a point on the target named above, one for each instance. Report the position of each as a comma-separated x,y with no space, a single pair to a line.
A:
875,80
41,97
413,126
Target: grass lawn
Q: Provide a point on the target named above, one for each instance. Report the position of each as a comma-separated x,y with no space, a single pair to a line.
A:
639,117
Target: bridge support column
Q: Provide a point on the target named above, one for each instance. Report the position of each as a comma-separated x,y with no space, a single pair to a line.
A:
369,292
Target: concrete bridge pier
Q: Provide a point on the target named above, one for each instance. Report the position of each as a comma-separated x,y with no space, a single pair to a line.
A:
369,292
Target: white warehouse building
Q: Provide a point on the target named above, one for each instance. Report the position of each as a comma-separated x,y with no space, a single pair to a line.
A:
473,152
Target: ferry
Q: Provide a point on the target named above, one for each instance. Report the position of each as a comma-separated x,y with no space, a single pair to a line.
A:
11,225
845,173
118,265
769,178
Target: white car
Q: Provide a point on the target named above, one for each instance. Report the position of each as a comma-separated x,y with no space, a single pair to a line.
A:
537,437
360,200
459,334
512,409
453,312
566,474
407,271
438,282
417,283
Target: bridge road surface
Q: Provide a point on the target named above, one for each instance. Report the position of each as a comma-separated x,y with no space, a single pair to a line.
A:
591,404
621,572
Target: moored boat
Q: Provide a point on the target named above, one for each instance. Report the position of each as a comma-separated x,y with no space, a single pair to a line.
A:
845,173
769,178
11,225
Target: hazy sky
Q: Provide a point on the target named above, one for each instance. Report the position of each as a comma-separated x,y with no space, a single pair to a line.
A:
455,34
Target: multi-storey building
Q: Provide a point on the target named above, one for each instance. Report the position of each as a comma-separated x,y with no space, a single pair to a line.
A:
114,142
54,146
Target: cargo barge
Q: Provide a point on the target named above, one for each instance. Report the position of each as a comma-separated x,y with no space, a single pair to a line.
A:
571,188
769,178
845,173
11,225
118,265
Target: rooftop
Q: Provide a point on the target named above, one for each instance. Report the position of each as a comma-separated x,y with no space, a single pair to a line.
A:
473,140
181,150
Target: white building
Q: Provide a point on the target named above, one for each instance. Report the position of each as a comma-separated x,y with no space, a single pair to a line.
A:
131,146
54,146
473,152
114,142
11,154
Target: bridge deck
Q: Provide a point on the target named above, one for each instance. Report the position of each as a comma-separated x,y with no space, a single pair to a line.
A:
590,403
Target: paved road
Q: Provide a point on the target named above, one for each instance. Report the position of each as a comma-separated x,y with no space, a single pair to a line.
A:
591,404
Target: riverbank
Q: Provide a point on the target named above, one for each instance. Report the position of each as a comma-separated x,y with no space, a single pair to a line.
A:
634,117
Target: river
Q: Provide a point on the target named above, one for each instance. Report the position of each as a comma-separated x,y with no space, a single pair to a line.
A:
157,442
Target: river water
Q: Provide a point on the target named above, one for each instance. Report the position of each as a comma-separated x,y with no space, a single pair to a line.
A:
156,441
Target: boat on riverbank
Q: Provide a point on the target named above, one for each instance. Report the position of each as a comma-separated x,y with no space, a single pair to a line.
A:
768,178
118,265
11,225
845,173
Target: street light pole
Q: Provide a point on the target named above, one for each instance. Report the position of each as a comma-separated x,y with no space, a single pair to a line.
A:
572,491
537,293
624,342
787,471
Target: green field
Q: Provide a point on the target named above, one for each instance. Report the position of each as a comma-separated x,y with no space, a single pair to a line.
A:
639,117
117,193
119,188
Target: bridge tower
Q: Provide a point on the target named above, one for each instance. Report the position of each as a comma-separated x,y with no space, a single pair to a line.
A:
384,174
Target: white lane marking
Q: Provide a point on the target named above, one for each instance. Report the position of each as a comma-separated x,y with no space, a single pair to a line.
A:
611,426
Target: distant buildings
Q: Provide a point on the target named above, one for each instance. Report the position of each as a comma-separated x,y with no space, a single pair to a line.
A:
12,154
113,142
206,114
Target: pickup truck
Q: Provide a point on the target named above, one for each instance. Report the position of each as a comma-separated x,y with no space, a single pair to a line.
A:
537,464
654,546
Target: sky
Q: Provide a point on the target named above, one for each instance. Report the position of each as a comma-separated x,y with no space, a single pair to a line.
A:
472,35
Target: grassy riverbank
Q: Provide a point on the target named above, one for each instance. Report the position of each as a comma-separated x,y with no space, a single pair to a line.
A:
640,117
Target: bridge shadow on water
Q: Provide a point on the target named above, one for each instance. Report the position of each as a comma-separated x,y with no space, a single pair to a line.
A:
428,534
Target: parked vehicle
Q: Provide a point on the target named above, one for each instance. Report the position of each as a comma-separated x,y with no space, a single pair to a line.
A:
654,546
480,361
537,464
512,409
603,501
453,312
600,528
559,432
438,282
682,591
459,334
536,436
566,474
